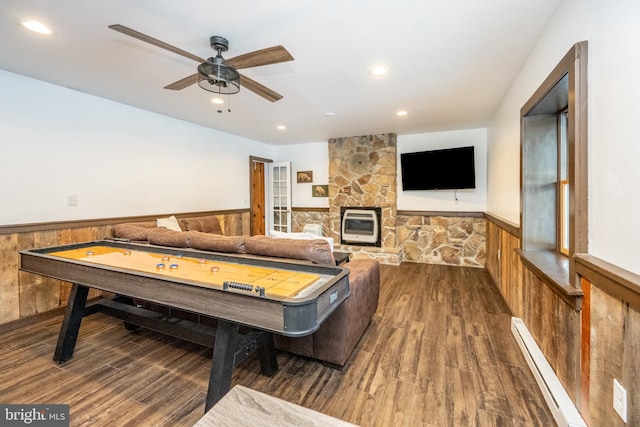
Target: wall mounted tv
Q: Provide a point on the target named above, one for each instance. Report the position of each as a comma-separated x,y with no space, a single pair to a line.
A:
448,169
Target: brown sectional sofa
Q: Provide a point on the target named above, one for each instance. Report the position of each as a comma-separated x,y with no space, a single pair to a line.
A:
336,338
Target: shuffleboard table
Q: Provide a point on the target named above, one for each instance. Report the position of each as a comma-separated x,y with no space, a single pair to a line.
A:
266,295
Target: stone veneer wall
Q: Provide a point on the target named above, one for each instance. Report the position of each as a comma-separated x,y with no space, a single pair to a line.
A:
300,218
443,240
362,173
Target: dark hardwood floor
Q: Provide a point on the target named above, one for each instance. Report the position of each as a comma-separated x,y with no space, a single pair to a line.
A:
439,352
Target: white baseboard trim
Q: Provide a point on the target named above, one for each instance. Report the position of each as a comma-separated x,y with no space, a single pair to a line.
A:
564,411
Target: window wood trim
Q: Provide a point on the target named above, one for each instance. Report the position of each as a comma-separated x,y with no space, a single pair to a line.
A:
573,65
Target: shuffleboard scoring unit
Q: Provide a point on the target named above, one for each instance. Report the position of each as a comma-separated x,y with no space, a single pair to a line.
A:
243,287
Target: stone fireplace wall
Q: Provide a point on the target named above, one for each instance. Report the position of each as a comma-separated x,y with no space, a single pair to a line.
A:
362,173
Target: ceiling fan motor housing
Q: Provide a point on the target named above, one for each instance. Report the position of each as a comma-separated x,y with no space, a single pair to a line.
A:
219,43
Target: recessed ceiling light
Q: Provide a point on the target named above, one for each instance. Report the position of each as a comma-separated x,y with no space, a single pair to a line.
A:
378,70
37,27
217,101
281,127
401,113
329,114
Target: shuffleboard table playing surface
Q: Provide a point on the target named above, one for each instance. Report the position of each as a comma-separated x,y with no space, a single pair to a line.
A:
267,281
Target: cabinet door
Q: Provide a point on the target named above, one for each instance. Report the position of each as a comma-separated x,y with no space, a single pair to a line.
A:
281,196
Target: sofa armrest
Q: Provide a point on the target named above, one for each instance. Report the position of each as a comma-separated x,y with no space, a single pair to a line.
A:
339,334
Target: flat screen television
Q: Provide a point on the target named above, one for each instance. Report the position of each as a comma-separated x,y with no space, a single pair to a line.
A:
448,169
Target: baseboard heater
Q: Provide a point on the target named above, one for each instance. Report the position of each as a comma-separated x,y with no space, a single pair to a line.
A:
564,411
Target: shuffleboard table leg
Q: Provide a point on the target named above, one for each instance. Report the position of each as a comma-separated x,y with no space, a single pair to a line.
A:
268,356
71,323
224,350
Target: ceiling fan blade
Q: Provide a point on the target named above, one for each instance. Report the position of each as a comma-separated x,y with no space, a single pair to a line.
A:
259,89
183,83
148,39
269,55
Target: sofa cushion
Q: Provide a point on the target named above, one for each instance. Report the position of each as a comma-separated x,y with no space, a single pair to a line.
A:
206,224
216,242
136,231
316,251
164,237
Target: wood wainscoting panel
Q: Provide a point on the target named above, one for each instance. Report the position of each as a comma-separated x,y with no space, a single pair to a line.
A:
37,293
630,366
549,331
9,282
615,345
555,326
512,273
567,365
494,248
585,351
504,265
607,324
531,311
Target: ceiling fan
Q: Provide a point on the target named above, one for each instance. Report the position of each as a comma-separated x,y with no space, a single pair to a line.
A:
217,74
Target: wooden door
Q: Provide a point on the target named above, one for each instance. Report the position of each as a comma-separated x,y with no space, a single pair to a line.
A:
258,198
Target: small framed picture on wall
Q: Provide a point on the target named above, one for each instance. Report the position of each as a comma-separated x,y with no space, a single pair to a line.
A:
304,176
320,191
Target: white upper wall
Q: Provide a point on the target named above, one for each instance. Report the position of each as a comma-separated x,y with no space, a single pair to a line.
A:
564,30
312,157
117,160
613,33
614,141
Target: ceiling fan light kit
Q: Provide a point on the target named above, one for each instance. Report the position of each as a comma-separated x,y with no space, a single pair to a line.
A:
216,76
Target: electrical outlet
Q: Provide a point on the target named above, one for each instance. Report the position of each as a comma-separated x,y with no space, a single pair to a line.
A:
620,400
72,200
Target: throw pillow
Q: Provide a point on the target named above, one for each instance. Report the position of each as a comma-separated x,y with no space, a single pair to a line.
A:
171,223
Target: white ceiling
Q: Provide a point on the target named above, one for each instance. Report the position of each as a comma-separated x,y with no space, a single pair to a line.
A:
450,61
